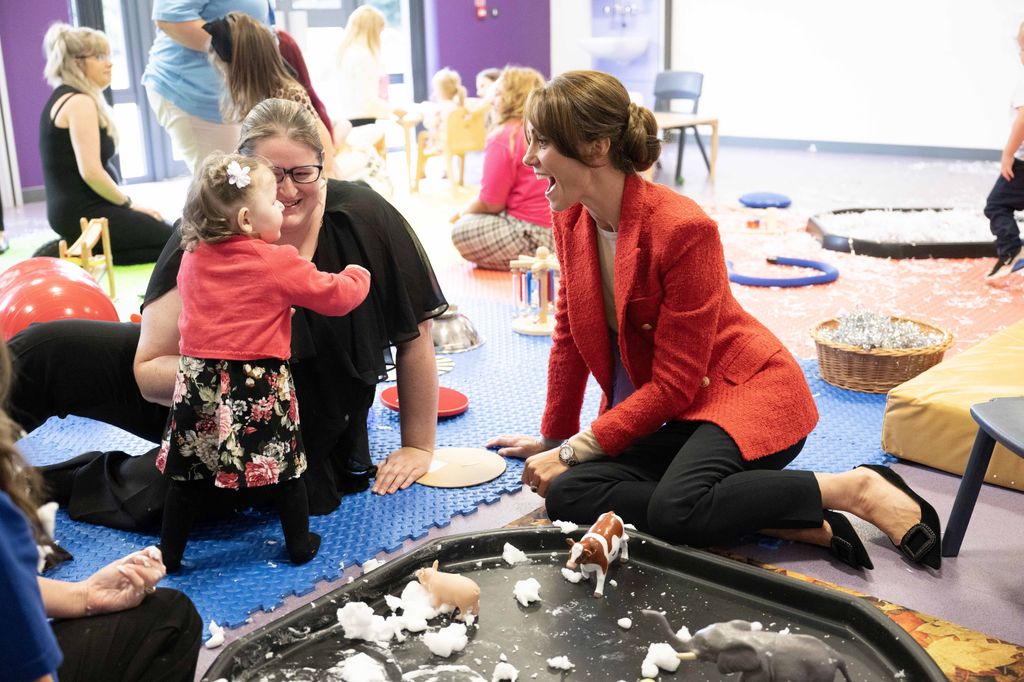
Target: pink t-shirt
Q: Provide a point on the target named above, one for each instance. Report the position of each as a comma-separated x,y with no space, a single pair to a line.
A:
508,182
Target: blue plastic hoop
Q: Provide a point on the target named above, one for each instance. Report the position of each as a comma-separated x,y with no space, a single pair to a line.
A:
829,273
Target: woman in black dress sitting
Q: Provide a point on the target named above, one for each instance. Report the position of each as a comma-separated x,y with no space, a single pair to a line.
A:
77,140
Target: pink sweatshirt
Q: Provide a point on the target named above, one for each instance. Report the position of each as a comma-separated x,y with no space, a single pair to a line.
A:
508,182
237,295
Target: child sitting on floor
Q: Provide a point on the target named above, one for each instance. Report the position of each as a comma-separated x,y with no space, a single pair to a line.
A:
234,420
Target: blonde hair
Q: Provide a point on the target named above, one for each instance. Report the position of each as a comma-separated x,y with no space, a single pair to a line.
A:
279,118
515,83
448,83
364,27
18,479
209,213
64,45
579,107
257,69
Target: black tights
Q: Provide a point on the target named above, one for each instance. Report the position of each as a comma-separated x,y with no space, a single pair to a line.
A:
185,499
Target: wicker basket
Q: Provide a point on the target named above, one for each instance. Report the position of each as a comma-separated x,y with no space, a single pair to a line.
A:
879,369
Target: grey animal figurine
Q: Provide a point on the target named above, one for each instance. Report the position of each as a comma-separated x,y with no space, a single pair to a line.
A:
759,656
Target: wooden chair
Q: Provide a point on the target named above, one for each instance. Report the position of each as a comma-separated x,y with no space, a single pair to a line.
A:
464,131
81,252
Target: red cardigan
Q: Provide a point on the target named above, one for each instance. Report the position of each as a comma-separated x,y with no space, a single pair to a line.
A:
691,351
236,297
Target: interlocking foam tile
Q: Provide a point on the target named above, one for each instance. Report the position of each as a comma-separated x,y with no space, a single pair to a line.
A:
239,565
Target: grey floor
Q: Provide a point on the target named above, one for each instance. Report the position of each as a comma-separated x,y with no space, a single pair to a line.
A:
983,588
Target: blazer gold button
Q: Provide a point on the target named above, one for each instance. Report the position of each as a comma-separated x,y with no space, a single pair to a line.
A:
705,382
646,327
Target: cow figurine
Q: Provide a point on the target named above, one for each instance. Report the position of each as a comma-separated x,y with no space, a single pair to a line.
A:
452,589
598,548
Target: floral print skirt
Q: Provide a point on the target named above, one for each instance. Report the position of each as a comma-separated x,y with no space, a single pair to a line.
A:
236,421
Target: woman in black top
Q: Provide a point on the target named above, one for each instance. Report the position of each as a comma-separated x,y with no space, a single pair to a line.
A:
78,140
336,361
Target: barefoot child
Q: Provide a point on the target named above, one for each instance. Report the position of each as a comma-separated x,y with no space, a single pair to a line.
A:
234,421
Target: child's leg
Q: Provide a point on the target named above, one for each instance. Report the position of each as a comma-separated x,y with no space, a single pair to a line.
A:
293,508
1006,197
184,499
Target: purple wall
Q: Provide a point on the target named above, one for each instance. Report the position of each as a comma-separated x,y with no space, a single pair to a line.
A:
22,26
520,35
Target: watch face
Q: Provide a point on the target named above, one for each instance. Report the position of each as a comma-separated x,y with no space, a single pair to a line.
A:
566,454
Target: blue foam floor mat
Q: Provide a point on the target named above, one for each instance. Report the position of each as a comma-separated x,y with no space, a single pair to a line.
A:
238,566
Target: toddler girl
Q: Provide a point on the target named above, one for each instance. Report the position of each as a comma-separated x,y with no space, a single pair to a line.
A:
448,94
234,421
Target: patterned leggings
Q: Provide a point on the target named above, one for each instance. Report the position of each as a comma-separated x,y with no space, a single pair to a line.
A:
491,241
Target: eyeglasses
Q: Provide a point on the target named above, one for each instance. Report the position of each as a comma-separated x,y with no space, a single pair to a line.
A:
301,175
99,57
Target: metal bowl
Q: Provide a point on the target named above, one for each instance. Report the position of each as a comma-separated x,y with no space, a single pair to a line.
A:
454,333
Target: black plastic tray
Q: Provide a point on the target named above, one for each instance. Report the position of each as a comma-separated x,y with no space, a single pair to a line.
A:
693,587
864,247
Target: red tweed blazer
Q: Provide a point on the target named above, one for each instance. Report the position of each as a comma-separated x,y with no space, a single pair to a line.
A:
691,351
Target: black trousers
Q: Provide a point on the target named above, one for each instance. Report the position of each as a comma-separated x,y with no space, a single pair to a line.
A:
688,484
1006,197
156,641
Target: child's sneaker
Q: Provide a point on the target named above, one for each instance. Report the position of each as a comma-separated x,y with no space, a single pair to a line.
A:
1011,262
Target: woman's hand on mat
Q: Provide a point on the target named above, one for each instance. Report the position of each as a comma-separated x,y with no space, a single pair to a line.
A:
516,445
151,212
541,469
455,217
401,469
124,583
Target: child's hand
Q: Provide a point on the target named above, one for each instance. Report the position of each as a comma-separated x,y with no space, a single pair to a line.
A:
1006,168
355,268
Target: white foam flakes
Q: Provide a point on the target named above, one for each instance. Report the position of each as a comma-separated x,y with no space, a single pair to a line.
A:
527,591
361,668
505,671
565,526
659,655
513,555
560,663
372,564
625,623
447,640
216,636
572,576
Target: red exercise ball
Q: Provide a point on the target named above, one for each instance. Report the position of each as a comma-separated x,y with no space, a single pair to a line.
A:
34,267
44,296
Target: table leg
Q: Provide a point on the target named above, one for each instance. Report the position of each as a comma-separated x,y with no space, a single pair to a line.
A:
714,149
410,164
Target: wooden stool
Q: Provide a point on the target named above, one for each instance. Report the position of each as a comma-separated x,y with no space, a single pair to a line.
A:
81,252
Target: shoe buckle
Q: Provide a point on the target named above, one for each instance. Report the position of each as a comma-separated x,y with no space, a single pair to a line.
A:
843,549
919,534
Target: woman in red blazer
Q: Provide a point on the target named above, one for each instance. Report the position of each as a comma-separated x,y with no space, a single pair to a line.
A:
703,406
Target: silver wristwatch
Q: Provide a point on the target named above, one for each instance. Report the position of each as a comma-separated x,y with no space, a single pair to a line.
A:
567,455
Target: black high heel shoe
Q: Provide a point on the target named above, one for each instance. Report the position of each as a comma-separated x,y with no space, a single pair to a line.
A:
920,544
845,544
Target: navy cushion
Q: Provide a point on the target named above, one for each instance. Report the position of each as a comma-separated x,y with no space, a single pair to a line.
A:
765,200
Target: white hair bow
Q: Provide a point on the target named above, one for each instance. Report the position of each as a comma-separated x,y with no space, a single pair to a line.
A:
238,175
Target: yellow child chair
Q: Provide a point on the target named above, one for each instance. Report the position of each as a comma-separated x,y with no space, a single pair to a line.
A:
81,252
463,131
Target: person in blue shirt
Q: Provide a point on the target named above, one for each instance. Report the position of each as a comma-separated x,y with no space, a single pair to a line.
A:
183,88
114,625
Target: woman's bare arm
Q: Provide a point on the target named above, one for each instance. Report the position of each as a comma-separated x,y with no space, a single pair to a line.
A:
417,393
187,33
156,358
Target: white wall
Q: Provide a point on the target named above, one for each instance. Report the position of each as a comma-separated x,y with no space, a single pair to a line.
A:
906,72
570,21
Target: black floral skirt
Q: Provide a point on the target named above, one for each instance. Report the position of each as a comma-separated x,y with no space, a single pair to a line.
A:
236,421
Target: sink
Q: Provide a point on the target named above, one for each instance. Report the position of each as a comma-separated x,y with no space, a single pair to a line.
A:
623,49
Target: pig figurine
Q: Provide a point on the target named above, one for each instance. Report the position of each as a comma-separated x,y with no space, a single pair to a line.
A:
598,548
452,589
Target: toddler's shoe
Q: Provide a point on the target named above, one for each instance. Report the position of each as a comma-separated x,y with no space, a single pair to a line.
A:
1007,264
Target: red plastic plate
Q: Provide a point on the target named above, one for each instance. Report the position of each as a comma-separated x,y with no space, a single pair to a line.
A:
449,401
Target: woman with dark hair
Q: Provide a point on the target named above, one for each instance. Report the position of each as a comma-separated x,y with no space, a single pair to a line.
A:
703,406
292,55
113,625
246,53
336,361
